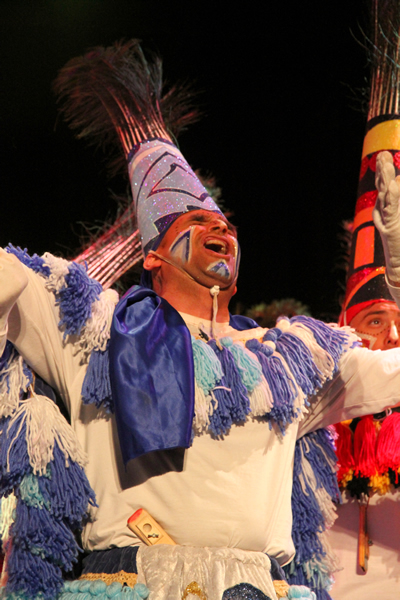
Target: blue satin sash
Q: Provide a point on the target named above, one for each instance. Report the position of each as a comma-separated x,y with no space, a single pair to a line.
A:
152,373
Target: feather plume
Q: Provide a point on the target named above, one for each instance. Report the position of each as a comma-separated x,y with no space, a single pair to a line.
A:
384,56
114,97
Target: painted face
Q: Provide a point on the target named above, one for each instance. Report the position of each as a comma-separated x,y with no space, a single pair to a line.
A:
379,326
204,244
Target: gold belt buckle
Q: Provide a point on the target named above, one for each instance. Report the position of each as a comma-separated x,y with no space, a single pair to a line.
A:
194,589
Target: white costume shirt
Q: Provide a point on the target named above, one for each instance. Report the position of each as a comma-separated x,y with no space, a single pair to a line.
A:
233,492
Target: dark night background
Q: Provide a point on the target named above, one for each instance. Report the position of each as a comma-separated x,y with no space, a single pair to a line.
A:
280,132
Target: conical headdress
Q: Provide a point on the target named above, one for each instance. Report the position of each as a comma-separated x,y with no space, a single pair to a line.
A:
115,94
366,274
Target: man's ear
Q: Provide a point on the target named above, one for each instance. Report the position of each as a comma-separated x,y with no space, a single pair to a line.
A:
151,262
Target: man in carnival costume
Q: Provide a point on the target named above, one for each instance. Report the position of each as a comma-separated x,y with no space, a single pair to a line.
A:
183,410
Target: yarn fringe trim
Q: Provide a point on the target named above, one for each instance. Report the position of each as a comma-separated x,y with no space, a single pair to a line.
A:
368,452
315,490
15,378
85,310
83,589
85,315
272,378
44,489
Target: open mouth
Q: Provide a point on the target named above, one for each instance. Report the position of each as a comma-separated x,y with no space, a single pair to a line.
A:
217,246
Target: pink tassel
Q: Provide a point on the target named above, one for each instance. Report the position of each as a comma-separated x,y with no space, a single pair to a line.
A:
388,445
365,447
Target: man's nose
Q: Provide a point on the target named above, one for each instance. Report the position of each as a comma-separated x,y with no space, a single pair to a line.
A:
218,225
393,333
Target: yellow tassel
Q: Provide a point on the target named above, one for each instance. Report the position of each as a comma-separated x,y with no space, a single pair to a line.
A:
380,483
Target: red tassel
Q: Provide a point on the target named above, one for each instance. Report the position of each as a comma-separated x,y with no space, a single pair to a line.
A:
388,444
344,452
365,447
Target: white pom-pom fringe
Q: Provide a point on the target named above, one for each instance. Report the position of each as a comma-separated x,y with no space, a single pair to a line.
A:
7,515
328,508
322,359
320,570
58,271
96,332
283,324
203,410
299,403
260,399
45,425
14,381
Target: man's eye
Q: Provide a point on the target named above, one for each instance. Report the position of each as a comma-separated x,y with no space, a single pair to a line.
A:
376,322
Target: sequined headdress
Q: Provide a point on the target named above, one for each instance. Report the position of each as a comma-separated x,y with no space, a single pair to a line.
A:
115,95
366,273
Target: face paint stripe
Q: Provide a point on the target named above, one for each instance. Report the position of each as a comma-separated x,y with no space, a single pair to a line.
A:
181,247
220,268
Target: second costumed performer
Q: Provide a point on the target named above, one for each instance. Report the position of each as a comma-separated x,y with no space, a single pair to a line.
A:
184,411
367,533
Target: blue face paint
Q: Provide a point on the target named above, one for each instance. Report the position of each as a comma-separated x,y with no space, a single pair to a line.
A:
181,247
220,268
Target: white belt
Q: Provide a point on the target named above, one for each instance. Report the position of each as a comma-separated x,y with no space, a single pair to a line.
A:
185,572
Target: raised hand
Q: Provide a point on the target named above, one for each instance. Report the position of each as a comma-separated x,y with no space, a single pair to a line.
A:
386,214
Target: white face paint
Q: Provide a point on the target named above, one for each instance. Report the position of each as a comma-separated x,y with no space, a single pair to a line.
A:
237,256
220,268
181,247
368,340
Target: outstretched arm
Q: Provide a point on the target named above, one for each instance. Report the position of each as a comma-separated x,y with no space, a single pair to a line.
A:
13,281
387,215
56,318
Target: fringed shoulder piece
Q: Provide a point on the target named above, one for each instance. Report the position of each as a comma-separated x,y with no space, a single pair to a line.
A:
85,310
41,463
314,492
272,377
44,489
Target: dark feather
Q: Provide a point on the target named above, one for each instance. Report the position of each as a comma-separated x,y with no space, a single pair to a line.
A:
384,55
114,97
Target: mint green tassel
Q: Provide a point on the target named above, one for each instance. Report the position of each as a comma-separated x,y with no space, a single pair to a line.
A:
249,368
30,492
207,367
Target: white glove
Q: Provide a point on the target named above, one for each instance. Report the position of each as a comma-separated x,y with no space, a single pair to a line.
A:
386,214
13,281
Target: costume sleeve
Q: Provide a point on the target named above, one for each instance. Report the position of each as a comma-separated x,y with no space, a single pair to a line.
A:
3,334
367,382
60,318
33,329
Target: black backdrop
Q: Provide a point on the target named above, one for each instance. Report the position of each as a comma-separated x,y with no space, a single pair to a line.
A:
279,132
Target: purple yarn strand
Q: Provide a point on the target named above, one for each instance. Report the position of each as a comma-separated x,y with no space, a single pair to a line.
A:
233,405
96,388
